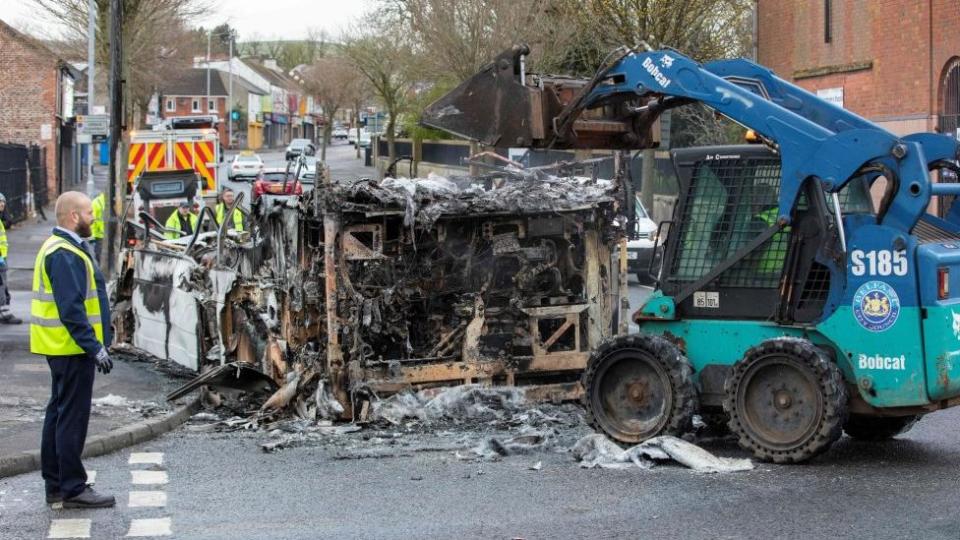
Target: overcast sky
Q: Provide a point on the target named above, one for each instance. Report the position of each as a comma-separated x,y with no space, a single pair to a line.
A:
283,19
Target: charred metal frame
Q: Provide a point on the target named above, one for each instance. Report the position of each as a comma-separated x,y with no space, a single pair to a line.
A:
340,286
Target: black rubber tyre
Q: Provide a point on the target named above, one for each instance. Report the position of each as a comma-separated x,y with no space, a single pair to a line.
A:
637,387
786,400
878,428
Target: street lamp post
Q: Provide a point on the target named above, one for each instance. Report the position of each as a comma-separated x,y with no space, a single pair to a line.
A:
208,66
91,70
230,98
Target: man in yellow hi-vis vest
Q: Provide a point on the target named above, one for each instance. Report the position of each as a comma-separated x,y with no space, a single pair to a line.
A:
182,220
227,198
70,325
97,229
6,316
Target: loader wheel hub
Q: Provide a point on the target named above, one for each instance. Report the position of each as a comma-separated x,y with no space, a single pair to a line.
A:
780,403
782,400
638,392
636,395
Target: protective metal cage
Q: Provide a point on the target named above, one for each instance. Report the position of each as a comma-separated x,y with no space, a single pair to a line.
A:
728,203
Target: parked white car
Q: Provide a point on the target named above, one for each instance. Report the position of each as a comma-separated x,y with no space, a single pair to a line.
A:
642,250
308,172
245,165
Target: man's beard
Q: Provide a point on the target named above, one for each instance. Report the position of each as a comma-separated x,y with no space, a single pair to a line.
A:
83,230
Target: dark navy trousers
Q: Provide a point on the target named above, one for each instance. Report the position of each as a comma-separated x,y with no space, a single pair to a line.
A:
65,426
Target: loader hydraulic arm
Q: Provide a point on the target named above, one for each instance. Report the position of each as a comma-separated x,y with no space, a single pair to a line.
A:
618,107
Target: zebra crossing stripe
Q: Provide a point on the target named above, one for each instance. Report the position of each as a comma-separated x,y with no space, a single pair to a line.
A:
149,477
147,499
69,528
145,458
150,527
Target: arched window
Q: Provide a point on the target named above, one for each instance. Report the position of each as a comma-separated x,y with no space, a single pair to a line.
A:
949,121
950,98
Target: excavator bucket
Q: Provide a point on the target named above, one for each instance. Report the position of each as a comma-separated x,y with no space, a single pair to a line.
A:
501,106
493,107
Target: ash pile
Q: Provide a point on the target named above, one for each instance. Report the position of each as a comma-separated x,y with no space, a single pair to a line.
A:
339,303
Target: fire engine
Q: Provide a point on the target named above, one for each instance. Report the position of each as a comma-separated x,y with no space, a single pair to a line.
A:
180,143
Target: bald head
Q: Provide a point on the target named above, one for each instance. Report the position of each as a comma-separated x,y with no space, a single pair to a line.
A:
75,212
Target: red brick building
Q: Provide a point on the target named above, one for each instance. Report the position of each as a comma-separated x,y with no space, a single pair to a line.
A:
896,62
36,94
186,95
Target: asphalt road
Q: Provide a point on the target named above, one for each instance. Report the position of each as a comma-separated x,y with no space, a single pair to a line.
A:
222,486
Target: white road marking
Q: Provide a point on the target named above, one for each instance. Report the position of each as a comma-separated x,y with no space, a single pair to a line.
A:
149,477
91,477
69,528
150,458
31,368
147,499
150,527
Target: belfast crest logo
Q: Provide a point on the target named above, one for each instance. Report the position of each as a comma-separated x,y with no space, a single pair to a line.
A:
876,306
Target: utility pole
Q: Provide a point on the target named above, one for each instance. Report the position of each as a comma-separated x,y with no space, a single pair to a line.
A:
208,66
91,71
230,92
116,125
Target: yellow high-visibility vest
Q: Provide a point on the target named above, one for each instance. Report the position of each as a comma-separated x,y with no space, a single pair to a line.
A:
775,255
237,217
3,240
97,228
48,335
173,222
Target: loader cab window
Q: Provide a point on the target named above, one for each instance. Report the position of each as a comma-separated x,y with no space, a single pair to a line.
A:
729,202
855,197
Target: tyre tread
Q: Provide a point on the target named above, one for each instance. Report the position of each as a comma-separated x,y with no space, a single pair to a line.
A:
831,384
677,367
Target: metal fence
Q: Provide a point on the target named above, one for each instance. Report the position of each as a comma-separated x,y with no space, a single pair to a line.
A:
23,179
14,182
38,177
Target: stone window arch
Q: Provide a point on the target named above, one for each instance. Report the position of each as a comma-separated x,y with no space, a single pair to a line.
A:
949,104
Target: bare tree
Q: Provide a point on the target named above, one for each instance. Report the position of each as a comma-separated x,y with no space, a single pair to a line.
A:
456,39
702,29
383,53
156,42
251,46
333,80
361,95
272,48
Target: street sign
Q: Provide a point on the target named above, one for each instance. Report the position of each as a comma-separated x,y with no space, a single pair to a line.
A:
97,125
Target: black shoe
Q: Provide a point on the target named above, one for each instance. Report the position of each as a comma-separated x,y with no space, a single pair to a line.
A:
88,498
54,497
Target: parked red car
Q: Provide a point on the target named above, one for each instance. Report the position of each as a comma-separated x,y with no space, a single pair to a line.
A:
276,181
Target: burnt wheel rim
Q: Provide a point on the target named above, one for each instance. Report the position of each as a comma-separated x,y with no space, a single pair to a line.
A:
632,396
780,403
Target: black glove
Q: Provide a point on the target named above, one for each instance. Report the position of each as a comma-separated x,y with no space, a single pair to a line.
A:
104,363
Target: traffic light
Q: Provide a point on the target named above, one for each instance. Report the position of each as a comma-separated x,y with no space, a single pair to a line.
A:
234,114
